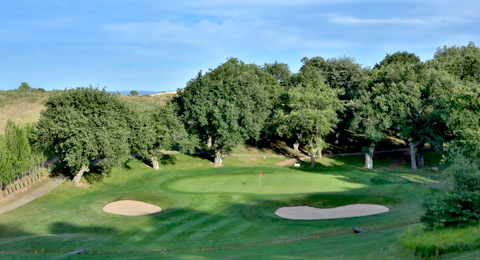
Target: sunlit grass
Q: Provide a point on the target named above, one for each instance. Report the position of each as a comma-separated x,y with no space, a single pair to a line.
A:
441,241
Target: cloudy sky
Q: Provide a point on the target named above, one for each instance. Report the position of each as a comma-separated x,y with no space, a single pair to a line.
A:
160,45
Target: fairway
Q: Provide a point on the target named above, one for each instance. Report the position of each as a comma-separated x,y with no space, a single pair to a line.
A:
219,210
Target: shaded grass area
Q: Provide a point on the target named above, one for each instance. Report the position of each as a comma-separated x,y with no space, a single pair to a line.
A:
441,241
210,214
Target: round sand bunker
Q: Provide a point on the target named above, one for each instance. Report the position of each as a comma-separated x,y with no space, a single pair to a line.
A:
131,208
349,211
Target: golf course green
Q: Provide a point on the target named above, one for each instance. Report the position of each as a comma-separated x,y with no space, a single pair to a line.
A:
219,213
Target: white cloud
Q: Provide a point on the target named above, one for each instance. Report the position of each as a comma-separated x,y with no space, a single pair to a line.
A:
429,21
230,34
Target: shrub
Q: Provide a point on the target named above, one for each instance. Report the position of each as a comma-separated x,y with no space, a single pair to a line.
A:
459,203
16,153
24,87
441,241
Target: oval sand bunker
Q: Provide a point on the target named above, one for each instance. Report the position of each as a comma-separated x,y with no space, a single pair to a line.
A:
349,211
131,208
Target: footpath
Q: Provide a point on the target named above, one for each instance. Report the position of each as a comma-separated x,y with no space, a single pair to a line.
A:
32,194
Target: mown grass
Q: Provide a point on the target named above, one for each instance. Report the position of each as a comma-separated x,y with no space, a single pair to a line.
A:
441,241
218,213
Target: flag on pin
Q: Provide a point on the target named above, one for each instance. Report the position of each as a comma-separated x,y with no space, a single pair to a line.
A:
259,178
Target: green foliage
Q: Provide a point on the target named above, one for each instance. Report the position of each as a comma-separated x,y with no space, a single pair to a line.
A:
401,57
226,106
402,97
157,127
82,126
133,93
25,87
16,154
280,71
278,82
459,203
313,110
169,130
339,73
441,241
463,62
461,104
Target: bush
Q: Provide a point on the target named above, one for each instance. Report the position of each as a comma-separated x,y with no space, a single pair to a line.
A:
25,87
459,203
16,153
441,241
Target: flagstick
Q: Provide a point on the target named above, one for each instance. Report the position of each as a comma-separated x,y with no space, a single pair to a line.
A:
259,178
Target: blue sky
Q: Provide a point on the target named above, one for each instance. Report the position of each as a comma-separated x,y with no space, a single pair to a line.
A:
160,45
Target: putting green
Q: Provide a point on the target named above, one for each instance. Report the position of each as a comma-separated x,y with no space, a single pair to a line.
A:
270,183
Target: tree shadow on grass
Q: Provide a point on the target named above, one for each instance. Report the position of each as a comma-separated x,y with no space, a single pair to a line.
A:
168,159
64,227
203,155
351,169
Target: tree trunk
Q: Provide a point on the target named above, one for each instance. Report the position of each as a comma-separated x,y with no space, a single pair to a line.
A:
209,143
369,157
295,146
78,176
313,152
155,162
413,153
320,156
337,137
218,159
421,152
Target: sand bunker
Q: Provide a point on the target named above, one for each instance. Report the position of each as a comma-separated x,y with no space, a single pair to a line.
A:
349,211
131,208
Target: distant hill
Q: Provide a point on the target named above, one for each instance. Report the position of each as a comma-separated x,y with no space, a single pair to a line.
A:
141,92
21,107
24,107
165,93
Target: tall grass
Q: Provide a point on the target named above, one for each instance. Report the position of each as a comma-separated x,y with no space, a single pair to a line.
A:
20,106
441,241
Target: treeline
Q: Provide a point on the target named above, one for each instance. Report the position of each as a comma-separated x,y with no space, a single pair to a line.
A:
16,153
434,102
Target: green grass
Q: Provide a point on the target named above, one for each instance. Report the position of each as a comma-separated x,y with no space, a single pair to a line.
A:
218,213
442,241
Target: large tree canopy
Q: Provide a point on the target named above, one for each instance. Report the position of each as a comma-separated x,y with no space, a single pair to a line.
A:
225,106
156,127
462,62
345,75
394,100
82,126
400,88
313,114
339,73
